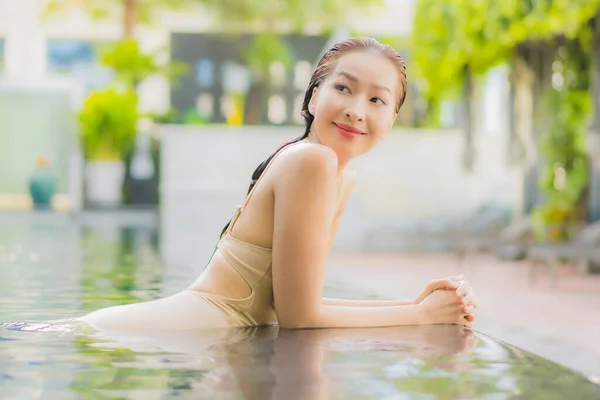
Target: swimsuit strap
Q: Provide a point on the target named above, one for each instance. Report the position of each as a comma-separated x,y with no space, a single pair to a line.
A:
240,208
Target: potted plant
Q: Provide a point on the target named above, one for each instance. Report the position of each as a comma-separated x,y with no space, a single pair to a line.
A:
108,127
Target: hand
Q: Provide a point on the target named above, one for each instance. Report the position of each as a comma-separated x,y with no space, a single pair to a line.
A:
457,283
450,283
468,297
444,307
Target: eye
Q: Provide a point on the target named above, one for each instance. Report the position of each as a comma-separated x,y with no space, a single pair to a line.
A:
341,87
378,99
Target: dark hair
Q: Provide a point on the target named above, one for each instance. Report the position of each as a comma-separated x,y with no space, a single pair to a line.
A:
321,72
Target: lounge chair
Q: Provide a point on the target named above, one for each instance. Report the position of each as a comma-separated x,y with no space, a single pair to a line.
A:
583,250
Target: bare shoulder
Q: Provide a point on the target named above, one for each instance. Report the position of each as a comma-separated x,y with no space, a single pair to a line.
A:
308,160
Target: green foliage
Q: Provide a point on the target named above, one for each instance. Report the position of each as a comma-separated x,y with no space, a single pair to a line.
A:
563,145
451,34
96,10
129,63
171,116
274,16
108,124
265,49
145,10
291,15
108,120
132,66
193,117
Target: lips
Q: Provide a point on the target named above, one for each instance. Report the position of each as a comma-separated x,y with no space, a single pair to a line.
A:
349,129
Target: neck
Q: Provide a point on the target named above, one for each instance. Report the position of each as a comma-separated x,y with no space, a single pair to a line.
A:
342,160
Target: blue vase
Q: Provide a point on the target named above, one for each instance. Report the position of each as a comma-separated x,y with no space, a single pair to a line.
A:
42,186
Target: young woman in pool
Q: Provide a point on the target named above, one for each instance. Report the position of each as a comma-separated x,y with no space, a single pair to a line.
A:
269,264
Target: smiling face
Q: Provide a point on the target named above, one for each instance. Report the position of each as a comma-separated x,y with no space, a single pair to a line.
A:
355,106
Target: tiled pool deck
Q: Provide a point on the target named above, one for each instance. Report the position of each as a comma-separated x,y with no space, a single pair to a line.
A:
561,324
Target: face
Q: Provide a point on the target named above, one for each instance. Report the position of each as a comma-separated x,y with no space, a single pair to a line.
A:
355,106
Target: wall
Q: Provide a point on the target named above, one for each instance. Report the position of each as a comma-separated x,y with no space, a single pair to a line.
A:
410,182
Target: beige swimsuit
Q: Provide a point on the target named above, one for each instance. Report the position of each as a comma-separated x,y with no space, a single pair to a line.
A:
193,309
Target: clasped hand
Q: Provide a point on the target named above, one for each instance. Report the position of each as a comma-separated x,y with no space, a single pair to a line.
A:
448,301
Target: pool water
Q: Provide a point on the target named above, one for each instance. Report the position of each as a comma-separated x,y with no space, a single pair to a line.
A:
52,273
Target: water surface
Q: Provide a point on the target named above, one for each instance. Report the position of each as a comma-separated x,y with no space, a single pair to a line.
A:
51,273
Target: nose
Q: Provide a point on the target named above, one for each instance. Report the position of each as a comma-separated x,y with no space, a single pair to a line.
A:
355,111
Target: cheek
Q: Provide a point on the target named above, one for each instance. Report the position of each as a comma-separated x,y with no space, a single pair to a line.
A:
331,99
383,123
327,108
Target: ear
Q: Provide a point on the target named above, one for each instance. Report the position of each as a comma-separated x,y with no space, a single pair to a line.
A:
312,104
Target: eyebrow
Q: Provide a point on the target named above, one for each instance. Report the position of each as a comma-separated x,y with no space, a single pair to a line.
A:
355,79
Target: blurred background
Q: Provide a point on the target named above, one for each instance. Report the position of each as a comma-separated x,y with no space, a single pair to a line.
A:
129,130
169,106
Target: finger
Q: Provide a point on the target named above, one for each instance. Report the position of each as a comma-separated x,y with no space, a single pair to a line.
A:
469,298
464,286
467,295
465,291
469,301
464,321
468,317
468,309
473,300
457,278
443,284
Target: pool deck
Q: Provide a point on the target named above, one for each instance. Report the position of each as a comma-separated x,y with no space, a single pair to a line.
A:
562,324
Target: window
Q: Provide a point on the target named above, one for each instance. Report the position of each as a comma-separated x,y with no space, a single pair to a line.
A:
302,73
204,73
276,112
205,105
78,59
277,72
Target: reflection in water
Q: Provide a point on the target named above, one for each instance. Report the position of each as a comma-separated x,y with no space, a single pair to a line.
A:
120,267
52,274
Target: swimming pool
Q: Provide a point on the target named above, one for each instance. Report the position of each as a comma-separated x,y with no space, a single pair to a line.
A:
53,272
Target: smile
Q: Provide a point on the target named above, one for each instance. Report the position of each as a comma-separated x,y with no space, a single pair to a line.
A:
348,131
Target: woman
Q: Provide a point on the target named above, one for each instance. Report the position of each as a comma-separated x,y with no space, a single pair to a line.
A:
268,265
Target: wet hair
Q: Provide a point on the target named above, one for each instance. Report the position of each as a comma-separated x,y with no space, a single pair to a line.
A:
322,71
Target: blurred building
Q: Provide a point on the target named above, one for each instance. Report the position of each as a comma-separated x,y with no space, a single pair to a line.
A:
48,66
32,50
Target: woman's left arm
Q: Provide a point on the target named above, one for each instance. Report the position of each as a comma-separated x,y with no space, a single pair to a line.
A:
365,303
451,283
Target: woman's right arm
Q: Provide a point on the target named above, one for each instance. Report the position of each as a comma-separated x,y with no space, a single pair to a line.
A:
305,195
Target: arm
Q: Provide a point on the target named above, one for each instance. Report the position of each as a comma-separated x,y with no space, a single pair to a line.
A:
365,303
304,211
